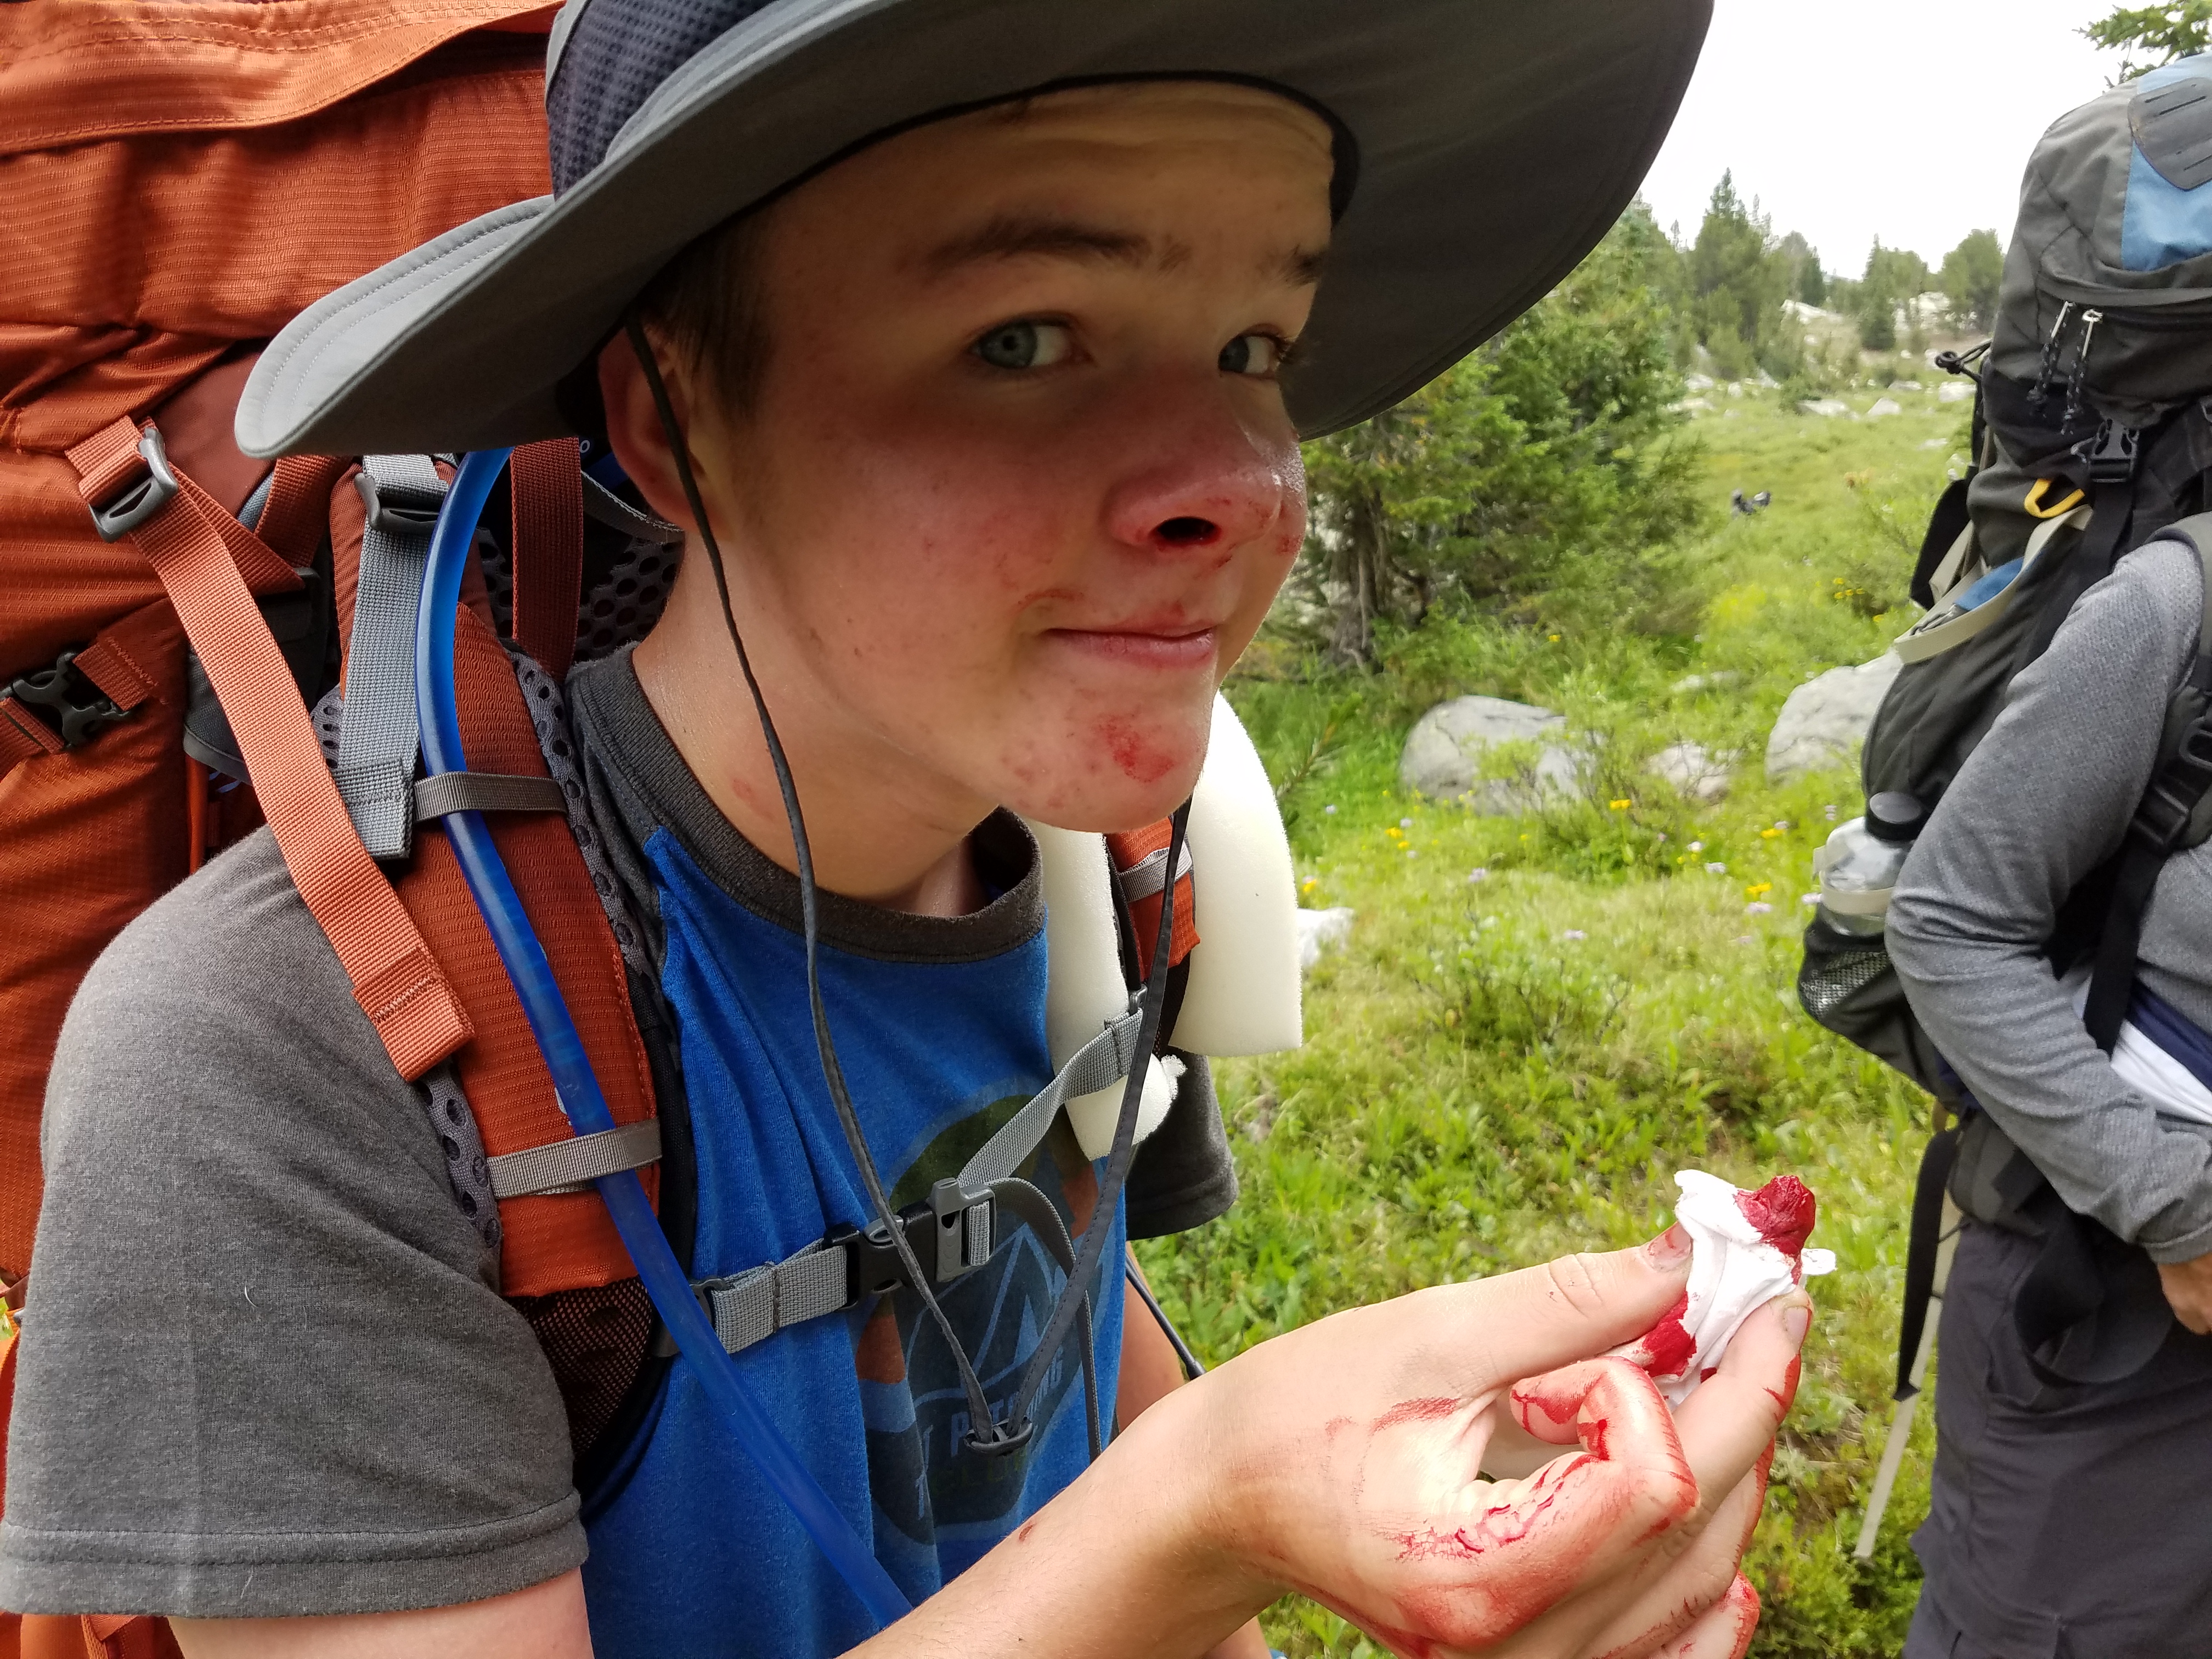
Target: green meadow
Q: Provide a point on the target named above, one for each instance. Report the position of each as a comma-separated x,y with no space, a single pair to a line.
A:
1536,1021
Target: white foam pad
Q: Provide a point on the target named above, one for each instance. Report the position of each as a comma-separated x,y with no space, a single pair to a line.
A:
1243,994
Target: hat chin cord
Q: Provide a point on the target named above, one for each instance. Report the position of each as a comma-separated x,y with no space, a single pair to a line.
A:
986,1434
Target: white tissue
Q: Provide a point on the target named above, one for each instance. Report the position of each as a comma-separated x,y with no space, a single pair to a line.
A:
1733,1272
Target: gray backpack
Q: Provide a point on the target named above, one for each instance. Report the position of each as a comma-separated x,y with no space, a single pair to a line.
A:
2092,435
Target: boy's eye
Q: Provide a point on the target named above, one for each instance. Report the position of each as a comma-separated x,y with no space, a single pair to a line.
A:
1252,354
1025,345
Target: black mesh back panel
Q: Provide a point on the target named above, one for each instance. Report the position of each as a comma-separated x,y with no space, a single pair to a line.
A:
619,52
595,1339
624,598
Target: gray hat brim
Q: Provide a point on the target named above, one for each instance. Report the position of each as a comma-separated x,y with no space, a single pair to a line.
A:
1496,140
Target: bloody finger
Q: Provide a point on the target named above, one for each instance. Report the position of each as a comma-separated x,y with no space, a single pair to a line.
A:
1725,1630
1728,1425
1512,1549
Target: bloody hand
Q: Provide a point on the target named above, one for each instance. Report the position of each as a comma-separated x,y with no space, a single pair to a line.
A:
1362,1438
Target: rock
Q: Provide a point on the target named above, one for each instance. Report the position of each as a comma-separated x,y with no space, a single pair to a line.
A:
1904,385
1697,774
1884,406
1767,382
1688,406
1826,718
1321,930
1697,383
1713,682
1736,388
1954,391
1827,406
1443,755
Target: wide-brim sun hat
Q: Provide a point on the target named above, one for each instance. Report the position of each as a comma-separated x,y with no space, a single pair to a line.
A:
1483,147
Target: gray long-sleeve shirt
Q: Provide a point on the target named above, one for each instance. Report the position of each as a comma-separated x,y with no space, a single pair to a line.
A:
2044,800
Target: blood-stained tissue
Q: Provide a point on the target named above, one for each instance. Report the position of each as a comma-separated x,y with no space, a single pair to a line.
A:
1749,1248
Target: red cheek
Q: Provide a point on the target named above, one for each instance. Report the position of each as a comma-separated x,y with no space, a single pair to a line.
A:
1139,760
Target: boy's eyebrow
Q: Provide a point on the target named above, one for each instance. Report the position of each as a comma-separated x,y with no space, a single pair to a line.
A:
1302,266
1014,236
1011,236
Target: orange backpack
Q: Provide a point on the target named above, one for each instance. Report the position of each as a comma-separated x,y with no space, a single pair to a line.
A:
182,176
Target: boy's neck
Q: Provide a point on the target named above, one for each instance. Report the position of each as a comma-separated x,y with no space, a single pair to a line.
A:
870,840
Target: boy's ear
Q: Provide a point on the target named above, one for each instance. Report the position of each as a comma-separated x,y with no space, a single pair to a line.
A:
633,429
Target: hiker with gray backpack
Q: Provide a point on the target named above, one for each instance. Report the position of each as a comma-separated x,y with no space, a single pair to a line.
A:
2041,960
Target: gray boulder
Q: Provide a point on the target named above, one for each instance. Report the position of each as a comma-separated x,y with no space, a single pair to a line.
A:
1825,719
1444,756
1827,406
1321,930
1696,773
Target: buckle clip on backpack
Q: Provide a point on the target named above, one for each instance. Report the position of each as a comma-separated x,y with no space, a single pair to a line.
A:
2092,435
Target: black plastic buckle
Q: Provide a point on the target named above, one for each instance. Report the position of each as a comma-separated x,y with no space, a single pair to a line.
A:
936,1231
398,512
137,502
74,707
2110,454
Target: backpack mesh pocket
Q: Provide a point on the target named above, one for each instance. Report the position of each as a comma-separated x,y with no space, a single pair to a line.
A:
1848,985
1826,985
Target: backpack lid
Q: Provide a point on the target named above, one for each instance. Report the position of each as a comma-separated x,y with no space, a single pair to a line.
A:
1494,144
2114,215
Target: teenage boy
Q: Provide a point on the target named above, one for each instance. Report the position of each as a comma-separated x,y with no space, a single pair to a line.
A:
2059,1520
985,426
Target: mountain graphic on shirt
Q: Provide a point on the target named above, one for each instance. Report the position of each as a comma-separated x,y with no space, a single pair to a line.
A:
923,1480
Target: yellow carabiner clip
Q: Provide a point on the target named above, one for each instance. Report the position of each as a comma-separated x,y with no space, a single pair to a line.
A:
2035,497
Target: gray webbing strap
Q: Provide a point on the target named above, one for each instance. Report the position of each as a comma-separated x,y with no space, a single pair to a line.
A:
566,1166
376,746
1098,1064
603,506
1149,874
752,1306
486,792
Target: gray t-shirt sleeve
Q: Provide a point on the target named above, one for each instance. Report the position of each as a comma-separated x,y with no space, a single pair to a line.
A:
265,1367
2043,801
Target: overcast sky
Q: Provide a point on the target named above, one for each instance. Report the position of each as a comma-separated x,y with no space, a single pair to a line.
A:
1906,120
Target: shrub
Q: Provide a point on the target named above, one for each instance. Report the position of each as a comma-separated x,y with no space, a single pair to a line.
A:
1542,476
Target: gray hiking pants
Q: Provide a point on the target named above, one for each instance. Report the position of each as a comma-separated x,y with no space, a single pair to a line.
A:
2068,1523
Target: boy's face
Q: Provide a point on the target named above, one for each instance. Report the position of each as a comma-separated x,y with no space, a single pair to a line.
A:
1017,486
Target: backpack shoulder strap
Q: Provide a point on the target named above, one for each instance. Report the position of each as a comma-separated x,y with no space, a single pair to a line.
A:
553,1238
2175,811
211,566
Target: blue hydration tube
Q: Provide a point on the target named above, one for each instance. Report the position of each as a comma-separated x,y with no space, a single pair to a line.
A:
576,1087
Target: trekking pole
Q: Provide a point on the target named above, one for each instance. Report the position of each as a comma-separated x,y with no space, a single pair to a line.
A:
1908,1395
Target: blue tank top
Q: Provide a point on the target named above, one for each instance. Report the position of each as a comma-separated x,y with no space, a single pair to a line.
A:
690,1553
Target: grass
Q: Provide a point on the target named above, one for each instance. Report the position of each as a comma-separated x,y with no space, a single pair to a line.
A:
1538,1020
